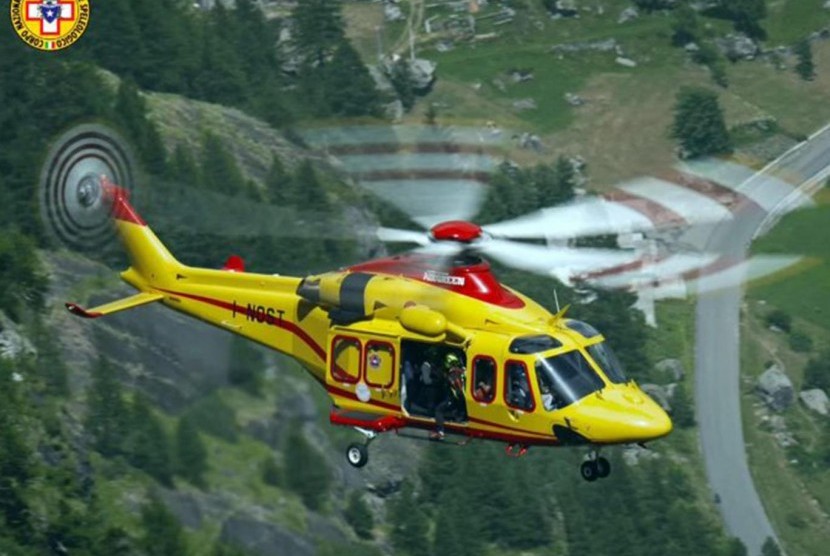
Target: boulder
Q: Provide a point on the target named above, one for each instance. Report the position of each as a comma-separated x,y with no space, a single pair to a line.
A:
627,62
393,12
633,453
658,394
815,400
574,99
776,389
737,46
826,5
671,368
566,8
629,14
524,104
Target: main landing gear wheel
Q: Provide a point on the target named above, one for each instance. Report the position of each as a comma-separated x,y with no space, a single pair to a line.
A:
357,454
603,467
589,471
595,468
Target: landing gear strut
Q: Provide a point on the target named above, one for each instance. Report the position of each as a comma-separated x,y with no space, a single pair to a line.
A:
597,467
358,454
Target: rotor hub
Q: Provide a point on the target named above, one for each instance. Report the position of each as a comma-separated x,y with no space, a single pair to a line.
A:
456,230
89,190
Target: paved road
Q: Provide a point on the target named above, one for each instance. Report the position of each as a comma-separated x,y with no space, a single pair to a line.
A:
717,365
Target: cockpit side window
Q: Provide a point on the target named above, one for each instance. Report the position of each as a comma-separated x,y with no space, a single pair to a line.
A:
568,376
517,391
608,362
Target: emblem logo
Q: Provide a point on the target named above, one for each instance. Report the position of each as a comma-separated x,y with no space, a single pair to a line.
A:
50,24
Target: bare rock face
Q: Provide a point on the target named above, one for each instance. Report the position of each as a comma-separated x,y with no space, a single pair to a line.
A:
12,343
629,14
776,389
815,400
260,537
672,368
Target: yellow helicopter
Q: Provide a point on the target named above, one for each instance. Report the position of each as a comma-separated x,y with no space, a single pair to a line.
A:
425,344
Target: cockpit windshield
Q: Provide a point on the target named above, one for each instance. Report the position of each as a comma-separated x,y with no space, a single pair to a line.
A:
565,378
608,362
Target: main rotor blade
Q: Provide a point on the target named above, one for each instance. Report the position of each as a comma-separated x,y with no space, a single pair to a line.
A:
585,217
550,261
394,235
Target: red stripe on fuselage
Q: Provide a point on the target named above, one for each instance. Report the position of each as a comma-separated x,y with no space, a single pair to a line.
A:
300,333
285,325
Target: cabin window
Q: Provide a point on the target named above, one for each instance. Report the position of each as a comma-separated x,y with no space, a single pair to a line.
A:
380,364
345,359
517,392
484,379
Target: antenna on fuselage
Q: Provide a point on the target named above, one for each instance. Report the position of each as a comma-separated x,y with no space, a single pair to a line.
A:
556,298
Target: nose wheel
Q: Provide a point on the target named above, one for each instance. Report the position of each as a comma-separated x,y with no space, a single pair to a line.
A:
595,468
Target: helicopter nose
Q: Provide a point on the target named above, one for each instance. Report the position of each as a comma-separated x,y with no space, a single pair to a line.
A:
655,423
622,416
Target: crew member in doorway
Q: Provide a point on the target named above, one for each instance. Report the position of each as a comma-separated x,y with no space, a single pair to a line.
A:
452,394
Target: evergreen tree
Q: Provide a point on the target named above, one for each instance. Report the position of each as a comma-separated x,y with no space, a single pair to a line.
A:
770,548
359,516
409,525
220,172
401,79
245,369
271,472
683,412
131,113
349,86
685,25
318,29
554,185
163,536
746,16
183,168
147,443
699,123
805,67
306,472
736,548
112,33
817,372
22,281
107,414
168,33
221,77
191,454
307,191
51,367
278,183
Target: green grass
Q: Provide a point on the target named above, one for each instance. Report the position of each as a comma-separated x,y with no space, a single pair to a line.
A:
792,20
786,488
805,291
527,47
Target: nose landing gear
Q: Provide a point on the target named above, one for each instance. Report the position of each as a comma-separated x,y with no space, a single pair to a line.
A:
597,467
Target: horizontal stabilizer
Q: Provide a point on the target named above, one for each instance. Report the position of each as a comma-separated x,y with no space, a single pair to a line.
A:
114,306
